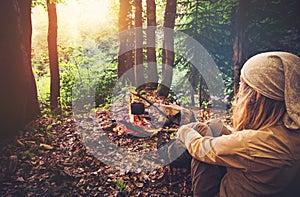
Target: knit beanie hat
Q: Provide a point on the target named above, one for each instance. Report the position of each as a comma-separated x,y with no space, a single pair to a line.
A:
276,75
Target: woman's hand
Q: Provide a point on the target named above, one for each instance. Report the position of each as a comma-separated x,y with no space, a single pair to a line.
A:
191,129
212,128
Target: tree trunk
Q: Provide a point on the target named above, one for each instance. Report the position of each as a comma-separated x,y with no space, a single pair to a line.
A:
194,80
18,100
200,92
151,52
239,46
53,55
138,60
125,58
168,54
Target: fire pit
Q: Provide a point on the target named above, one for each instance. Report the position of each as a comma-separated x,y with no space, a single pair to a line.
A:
145,117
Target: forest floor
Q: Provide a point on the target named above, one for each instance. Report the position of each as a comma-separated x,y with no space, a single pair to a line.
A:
50,158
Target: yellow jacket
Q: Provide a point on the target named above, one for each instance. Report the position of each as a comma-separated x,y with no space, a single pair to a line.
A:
259,162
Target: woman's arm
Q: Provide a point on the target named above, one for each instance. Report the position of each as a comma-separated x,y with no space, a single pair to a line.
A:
226,150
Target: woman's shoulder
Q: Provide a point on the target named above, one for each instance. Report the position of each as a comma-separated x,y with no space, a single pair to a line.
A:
277,141
278,131
283,134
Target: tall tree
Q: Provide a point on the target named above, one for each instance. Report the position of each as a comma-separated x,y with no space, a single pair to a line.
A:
18,100
138,60
125,57
151,52
210,23
240,42
53,55
168,49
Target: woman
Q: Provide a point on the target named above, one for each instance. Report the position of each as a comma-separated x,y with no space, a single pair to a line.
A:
262,154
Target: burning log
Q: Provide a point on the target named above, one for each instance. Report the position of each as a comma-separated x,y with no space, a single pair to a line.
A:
136,130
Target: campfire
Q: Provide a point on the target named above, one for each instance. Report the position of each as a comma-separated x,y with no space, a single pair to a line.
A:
139,122
147,123
137,114
146,117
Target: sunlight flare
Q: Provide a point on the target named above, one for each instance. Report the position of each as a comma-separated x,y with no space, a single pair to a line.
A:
77,20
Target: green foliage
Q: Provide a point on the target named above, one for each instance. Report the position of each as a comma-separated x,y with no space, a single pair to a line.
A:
210,23
49,127
144,145
52,135
121,184
82,73
42,3
83,70
272,26
40,63
206,104
228,82
28,154
92,67
173,135
67,76
105,84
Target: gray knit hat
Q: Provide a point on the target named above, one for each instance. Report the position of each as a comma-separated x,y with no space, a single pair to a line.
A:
276,75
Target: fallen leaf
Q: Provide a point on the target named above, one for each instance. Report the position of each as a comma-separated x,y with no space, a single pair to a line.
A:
21,143
30,142
46,146
20,179
139,184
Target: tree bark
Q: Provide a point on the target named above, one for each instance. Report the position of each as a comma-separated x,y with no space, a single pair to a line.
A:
125,57
240,42
18,100
138,60
53,55
168,49
151,52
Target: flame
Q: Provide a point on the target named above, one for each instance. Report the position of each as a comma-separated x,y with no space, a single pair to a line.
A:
137,120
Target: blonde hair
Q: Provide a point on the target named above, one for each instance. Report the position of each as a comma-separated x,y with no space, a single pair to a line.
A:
252,110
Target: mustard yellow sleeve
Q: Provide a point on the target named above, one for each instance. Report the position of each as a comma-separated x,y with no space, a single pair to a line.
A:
227,150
